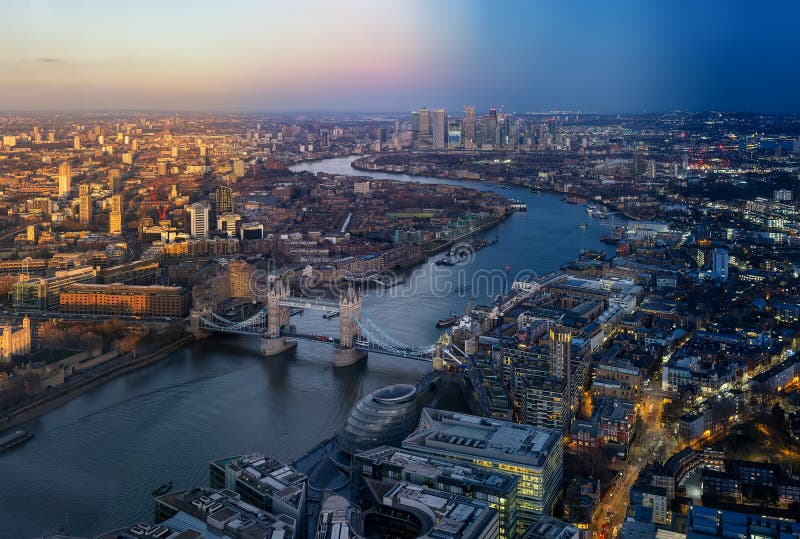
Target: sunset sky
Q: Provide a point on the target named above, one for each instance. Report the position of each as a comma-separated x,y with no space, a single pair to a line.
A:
620,56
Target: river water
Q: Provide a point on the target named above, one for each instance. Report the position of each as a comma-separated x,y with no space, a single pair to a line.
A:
93,462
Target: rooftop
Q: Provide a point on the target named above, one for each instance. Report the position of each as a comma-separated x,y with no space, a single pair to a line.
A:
221,514
492,439
266,475
421,465
445,515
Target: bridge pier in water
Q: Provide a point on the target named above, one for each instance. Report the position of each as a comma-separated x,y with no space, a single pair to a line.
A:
272,346
358,334
278,315
349,311
343,357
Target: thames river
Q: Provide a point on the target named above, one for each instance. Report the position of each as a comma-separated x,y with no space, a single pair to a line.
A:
93,462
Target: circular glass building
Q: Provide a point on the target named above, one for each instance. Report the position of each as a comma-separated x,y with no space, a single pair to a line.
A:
384,417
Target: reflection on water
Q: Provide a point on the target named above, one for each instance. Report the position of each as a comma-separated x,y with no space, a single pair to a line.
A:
94,461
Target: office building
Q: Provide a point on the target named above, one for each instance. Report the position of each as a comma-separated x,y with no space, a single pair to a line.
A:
534,454
224,199
439,128
251,231
126,300
205,513
488,129
719,270
76,142
391,465
405,511
198,220
45,293
229,223
383,417
64,179
453,134
424,122
264,482
469,127
85,204
339,519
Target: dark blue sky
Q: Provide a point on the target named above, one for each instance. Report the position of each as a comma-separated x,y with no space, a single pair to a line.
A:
635,55
368,55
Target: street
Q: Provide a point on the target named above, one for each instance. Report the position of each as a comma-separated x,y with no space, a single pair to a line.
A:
648,445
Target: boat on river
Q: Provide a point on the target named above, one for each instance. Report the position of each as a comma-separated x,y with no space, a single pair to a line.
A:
14,439
447,322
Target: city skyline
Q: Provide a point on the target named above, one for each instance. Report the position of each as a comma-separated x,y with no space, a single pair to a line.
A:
627,57
400,270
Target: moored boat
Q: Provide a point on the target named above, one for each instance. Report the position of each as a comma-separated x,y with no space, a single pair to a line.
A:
14,439
447,322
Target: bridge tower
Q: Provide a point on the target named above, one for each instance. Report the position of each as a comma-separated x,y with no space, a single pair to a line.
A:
194,321
349,311
274,342
439,357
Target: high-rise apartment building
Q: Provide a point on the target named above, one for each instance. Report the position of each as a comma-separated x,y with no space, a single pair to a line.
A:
439,128
76,142
719,261
198,220
85,204
115,217
224,198
238,168
114,179
454,134
468,137
64,179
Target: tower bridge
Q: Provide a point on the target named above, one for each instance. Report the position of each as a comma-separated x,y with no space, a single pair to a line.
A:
358,334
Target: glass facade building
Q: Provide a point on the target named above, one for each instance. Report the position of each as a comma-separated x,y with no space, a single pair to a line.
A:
384,417
534,454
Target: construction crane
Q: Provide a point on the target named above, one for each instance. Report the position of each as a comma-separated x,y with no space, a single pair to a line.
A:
159,205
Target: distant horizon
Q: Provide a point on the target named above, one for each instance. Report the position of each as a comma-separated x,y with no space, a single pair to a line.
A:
335,112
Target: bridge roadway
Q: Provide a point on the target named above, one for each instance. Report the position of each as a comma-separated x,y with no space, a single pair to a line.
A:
360,344
357,332
310,303
378,342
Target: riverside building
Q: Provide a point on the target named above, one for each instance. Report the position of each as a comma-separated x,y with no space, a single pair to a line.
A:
534,454
391,465
130,300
